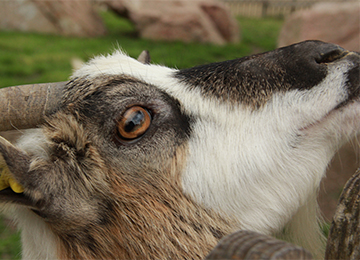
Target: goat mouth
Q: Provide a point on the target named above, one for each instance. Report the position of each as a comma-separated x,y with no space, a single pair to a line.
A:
9,196
317,122
350,102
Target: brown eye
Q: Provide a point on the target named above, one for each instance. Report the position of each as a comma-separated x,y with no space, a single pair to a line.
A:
134,123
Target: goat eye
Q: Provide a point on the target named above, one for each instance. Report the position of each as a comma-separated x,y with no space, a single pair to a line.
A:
134,123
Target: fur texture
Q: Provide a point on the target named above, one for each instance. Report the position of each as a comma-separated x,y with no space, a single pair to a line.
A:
240,144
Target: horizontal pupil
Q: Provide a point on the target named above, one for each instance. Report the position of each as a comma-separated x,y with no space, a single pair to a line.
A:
134,122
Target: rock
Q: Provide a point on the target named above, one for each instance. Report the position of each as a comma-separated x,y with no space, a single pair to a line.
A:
228,28
70,18
338,23
343,166
188,21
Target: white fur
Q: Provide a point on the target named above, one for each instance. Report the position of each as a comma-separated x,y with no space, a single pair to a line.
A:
260,167
242,162
38,241
33,142
121,64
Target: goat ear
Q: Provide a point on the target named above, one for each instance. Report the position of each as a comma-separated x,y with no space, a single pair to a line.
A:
14,164
144,57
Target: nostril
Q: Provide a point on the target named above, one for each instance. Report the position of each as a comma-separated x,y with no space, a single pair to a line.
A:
331,56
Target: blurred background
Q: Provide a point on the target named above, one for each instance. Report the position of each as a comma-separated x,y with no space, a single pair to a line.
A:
45,40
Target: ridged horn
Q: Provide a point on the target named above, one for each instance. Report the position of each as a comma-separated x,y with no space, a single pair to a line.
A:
23,107
249,245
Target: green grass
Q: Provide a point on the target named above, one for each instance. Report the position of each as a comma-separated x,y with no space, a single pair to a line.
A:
260,34
9,241
34,58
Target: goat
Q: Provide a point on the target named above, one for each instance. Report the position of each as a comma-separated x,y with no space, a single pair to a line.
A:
141,161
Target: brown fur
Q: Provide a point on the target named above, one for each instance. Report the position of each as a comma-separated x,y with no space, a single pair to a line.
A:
107,199
99,212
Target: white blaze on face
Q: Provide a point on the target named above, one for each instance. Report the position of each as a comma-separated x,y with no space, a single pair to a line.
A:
256,165
262,165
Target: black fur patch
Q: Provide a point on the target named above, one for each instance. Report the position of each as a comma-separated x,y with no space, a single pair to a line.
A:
353,81
252,80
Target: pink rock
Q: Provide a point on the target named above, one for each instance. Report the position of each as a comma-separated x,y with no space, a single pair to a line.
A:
189,21
228,28
75,18
338,23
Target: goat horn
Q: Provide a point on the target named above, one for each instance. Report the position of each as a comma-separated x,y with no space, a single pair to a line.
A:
25,106
246,244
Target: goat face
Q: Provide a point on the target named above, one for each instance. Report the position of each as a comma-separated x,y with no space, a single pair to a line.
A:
143,161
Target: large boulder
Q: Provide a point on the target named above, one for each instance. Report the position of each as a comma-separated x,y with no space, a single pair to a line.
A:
70,18
338,23
189,21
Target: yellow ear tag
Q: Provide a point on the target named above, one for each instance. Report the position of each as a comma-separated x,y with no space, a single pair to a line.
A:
7,181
